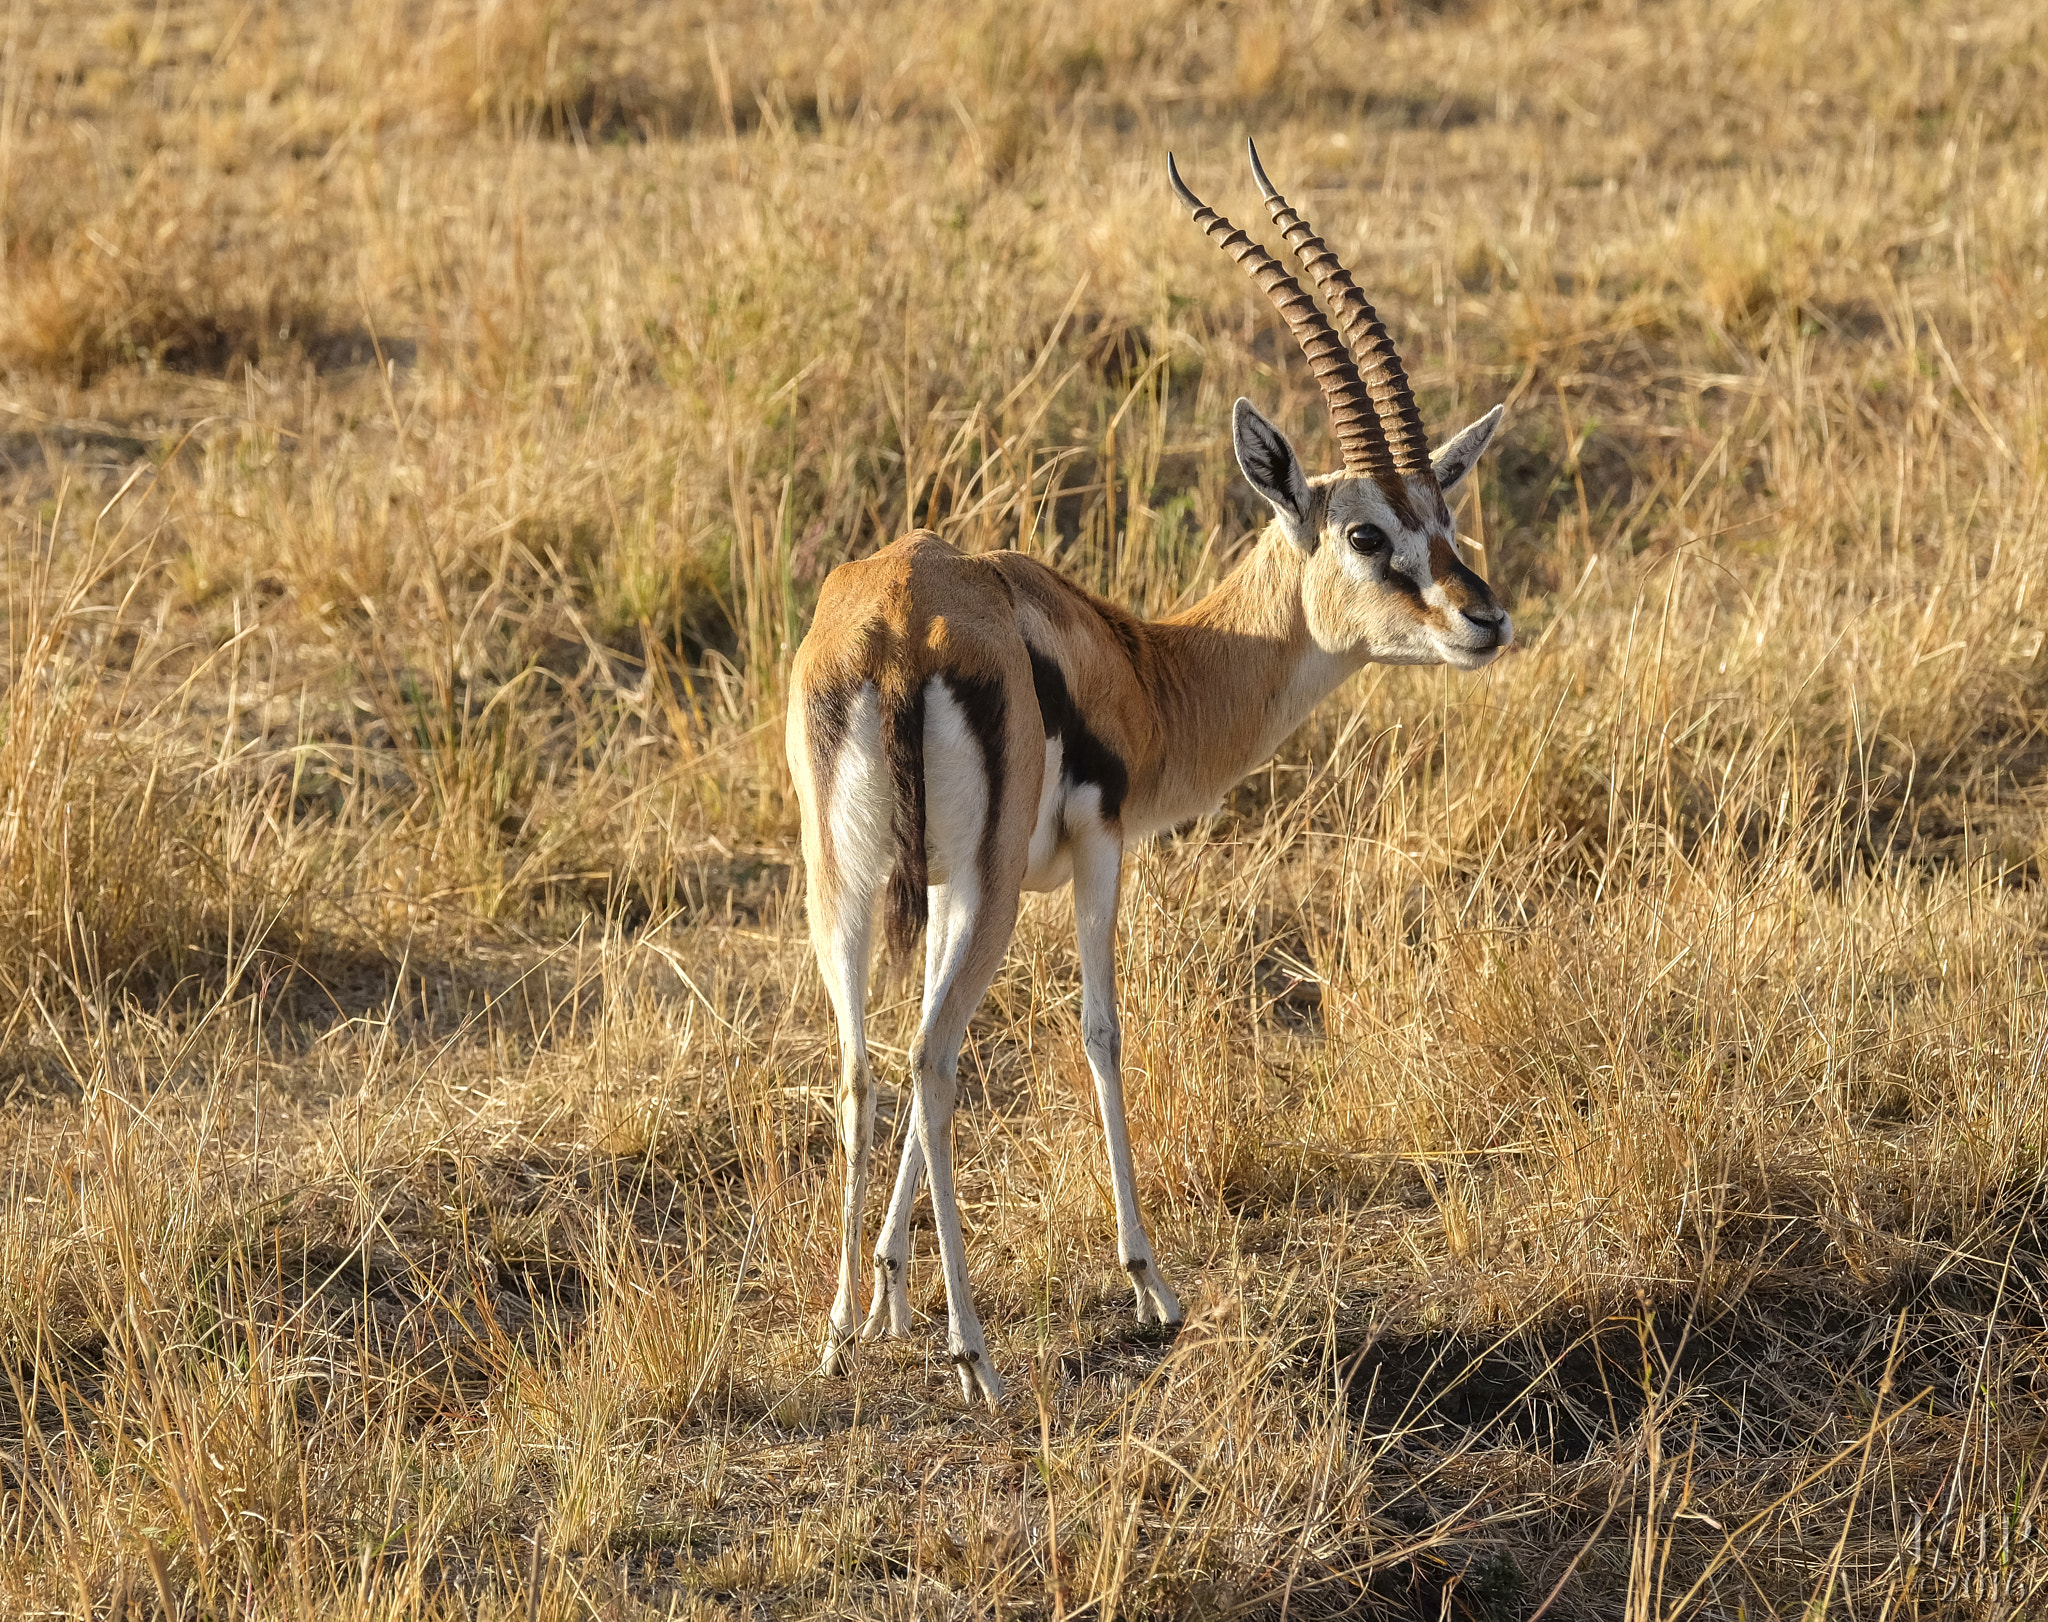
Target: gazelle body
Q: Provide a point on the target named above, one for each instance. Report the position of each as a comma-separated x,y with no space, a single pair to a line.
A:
964,728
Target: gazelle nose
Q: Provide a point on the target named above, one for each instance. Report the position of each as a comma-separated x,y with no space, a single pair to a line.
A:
1493,620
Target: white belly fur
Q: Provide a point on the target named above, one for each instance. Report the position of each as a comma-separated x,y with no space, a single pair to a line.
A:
1063,807
1047,833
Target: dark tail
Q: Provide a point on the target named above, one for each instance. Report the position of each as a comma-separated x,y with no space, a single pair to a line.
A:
904,907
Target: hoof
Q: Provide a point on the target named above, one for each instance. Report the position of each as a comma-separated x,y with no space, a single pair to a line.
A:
1157,1304
978,1377
838,1354
889,1317
878,1327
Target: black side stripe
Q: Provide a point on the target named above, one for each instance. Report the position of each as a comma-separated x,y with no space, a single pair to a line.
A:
1084,757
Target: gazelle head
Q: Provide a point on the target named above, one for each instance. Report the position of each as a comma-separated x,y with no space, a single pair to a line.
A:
1382,578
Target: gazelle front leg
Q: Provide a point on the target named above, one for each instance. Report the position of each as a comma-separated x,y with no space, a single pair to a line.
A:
1098,871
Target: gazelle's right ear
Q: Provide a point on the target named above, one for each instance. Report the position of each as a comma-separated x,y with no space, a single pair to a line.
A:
1269,462
1461,453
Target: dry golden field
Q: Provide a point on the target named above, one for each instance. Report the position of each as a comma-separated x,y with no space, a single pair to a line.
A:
1594,1109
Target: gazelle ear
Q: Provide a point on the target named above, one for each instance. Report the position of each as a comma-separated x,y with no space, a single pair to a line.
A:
1462,452
1275,472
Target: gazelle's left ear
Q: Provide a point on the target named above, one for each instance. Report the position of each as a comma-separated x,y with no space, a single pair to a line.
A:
1272,468
1461,454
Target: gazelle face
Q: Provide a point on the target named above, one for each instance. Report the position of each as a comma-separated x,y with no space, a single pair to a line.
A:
1382,580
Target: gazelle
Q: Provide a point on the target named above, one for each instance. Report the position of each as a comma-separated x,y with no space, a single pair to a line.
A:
976,726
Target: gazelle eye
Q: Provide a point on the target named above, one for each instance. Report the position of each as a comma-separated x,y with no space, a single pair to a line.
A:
1368,539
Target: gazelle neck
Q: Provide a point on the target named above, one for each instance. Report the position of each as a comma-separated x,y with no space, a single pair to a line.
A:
1233,676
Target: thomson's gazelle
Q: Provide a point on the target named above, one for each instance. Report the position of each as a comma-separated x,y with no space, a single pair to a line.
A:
972,727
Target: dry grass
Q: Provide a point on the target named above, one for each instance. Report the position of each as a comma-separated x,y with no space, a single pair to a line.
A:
1595,1110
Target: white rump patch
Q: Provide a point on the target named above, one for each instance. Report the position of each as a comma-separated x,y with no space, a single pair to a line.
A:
858,805
956,806
955,792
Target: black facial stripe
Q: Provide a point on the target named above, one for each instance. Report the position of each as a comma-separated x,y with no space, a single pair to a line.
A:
1394,573
1475,588
1084,758
981,703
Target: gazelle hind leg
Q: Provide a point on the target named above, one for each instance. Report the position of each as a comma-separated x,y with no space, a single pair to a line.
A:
840,896
976,956
854,1109
889,1312
889,1315
1098,868
969,736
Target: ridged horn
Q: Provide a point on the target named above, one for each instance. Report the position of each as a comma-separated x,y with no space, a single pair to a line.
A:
1352,413
1372,347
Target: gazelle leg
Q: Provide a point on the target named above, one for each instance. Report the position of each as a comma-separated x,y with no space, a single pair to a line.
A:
843,781
889,1316
1098,870
841,936
972,898
976,955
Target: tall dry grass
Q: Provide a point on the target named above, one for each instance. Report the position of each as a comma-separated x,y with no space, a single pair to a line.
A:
1594,1109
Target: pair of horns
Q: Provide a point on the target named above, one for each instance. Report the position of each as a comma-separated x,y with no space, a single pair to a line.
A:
1378,427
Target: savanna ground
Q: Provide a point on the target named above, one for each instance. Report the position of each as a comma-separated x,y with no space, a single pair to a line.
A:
1594,1109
